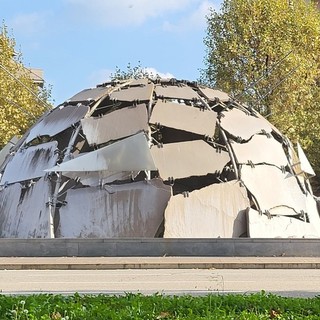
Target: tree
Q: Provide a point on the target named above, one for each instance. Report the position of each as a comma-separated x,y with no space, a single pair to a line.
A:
136,72
21,100
266,53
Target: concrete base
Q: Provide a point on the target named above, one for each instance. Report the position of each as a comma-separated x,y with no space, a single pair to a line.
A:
241,247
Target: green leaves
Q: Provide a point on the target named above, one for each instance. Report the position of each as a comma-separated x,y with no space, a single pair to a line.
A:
136,72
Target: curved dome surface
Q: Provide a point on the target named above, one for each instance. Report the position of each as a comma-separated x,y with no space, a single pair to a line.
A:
155,158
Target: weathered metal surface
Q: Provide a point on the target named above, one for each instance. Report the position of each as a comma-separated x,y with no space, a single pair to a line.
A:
30,163
242,125
260,149
116,125
304,162
274,190
183,117
130,94
89,95
139,82
181,91
312,213
129,210
294,162
102,170
23,210
130,154
185,159
6,149
214,211
58,120
96,178
212,94
261,226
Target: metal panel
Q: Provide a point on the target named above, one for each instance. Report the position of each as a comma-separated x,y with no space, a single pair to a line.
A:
312,212
184,117
91,94
24,212
239,124
295,164
96,178
274,190
214,211
185,159
260,149
260,226
59,119
6,149
304,162
130,154
131,94
212,94
139,82
128,210
116,125
176,92
30,163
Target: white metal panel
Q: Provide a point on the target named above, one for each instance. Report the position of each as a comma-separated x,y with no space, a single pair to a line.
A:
185,159
116,125
58,120
212,94
139,82
260,226
258,115
304,162
214,211
30,163
183,117
96,178
130,94
181,91
127,210
6,149
130,154
296,165
312,212
24,212
274,189
239,124
260,149
91,94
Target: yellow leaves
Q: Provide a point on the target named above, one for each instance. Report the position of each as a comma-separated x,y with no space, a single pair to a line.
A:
19,107
278,44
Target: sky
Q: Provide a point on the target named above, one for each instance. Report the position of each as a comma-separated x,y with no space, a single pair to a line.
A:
79,43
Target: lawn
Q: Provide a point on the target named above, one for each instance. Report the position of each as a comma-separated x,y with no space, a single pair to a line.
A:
157,307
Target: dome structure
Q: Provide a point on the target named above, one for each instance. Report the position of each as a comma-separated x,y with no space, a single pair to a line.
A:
155,158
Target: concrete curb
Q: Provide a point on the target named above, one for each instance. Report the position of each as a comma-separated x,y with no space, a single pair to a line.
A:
114,263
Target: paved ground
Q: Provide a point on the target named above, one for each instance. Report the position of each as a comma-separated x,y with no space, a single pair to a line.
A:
288,282
169,275
92,263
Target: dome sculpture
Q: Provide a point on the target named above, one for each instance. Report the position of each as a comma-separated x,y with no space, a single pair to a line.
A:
155,158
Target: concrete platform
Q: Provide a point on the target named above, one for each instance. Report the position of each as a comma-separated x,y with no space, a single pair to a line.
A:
114,263
160,247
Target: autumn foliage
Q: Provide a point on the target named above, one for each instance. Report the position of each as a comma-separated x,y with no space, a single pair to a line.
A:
266,53
21,101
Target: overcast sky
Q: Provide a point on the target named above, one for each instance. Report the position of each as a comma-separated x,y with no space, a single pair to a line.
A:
78,43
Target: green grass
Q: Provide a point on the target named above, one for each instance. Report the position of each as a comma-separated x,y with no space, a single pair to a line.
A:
157,307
